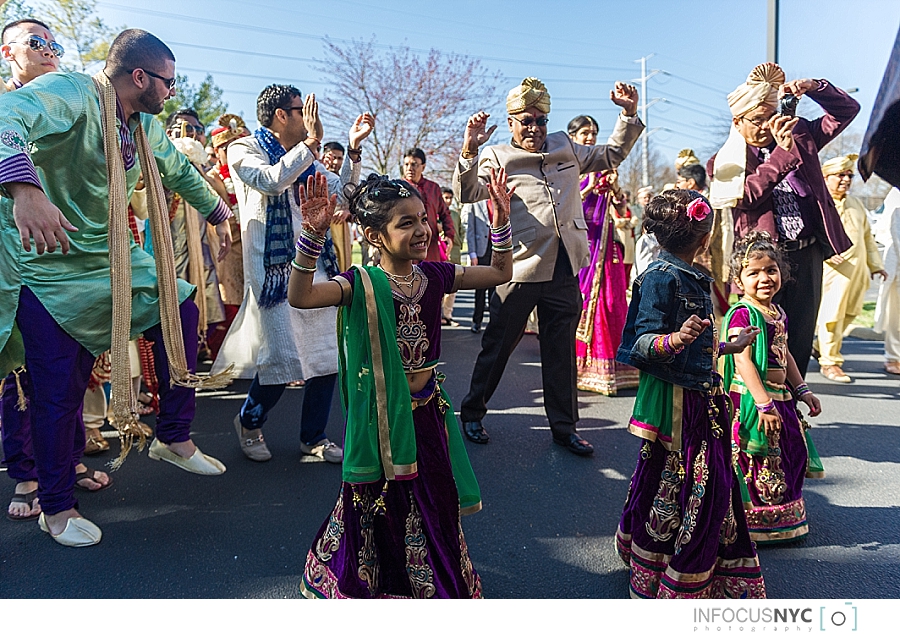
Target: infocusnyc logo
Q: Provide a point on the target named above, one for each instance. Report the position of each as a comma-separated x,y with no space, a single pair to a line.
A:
821,618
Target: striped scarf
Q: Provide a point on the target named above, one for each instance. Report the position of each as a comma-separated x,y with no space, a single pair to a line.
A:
279,249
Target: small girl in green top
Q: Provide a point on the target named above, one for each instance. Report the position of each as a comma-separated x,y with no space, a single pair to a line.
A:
776,453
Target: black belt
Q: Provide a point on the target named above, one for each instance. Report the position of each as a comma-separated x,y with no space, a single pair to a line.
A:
796,245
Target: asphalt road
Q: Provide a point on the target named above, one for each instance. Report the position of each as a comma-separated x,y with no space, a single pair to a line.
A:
549,516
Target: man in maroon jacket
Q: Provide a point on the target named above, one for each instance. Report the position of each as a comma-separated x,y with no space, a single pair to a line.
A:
435,207
768,174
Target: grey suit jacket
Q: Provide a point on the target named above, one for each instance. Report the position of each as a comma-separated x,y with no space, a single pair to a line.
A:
478,227
546,206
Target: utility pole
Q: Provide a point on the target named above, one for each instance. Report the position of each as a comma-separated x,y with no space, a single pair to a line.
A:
772,30
644,108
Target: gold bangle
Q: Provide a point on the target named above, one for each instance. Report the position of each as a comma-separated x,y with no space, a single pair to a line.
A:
469,155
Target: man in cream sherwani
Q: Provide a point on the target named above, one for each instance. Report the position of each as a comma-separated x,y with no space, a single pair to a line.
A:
550,246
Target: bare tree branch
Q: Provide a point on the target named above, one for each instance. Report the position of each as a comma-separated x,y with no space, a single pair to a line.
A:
418,100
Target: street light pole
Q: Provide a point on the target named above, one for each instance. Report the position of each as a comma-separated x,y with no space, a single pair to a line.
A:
772,30
645,145
644,109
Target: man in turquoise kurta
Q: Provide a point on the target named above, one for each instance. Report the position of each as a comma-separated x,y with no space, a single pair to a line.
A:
55,294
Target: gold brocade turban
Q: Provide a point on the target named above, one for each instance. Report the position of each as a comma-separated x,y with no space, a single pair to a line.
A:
760,88
839,164
686,157
230,127
531,92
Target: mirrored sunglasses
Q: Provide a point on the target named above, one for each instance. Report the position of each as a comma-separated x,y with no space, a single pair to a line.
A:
37,43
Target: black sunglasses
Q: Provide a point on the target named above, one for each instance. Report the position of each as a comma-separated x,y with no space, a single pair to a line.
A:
176,128
541,122
37,43
168,81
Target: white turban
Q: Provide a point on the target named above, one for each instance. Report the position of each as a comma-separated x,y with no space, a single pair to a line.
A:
839,164
760,88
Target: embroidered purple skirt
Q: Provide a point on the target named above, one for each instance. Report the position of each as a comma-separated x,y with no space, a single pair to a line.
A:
775,481
683,532
400,539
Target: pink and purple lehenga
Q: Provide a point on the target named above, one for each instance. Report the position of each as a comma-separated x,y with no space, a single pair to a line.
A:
396,536
773,466
603,285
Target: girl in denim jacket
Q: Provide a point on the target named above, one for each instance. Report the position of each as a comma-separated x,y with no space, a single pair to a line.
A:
683,532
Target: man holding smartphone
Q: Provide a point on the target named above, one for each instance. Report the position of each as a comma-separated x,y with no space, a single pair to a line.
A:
768,175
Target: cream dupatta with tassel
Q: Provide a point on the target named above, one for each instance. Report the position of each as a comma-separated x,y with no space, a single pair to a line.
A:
123,401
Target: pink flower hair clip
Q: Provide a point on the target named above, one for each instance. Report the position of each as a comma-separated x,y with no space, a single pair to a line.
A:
698,209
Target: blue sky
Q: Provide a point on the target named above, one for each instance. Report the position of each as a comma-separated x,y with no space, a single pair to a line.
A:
579,49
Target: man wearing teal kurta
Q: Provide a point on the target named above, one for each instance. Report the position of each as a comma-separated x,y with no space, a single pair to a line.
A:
55,294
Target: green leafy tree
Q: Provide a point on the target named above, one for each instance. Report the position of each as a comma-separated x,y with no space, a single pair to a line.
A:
206,99
77,27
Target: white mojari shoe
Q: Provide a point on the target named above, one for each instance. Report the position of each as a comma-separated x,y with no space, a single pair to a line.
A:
198,463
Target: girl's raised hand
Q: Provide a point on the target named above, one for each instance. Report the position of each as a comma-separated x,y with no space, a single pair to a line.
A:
692,328
316,206
500,196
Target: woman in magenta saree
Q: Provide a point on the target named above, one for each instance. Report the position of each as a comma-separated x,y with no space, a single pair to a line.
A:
603,282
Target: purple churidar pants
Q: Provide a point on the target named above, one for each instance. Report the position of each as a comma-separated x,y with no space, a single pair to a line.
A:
60,368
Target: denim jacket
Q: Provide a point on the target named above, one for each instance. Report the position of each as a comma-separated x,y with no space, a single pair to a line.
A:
663,297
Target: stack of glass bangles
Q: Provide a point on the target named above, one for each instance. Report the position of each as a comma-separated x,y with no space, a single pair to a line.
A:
801,389
663,346
309,244
501,238
765,408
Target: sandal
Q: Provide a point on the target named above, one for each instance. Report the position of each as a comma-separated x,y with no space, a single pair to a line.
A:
94,442
24,498
144,410
89,475
834,373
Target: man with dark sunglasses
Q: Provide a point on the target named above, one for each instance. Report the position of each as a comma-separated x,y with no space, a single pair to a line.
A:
550,242
269,341
31,51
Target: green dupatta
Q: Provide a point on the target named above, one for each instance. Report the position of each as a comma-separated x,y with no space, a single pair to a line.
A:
752,439
380,438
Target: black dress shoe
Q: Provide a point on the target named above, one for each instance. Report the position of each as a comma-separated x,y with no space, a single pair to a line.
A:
476,327
476,433
576,444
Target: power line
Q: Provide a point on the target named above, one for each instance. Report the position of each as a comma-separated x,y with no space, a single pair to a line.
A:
718,91
714,110
256,76
669,102
682,123
468,25
319,38
253,53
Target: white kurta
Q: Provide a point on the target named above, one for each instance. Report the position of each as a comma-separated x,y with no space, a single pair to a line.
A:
281,344
887,310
